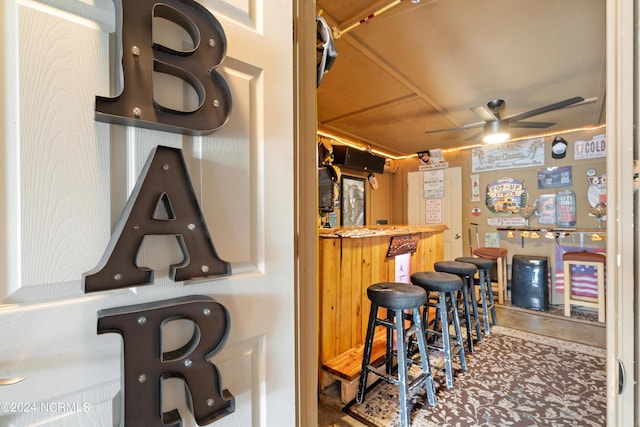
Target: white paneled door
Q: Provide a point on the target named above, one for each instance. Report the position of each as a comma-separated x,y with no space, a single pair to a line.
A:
66,181
446,207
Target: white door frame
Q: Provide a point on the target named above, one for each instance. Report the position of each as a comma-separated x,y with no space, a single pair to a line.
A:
622,271
622,323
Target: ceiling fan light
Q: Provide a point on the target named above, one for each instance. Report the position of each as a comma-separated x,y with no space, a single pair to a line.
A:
495,132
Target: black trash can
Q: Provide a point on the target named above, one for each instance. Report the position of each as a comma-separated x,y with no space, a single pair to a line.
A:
530,282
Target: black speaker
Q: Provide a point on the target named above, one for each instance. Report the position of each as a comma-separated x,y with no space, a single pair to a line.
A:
357,159
530,282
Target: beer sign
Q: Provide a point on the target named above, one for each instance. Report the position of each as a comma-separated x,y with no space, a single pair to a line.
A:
595,147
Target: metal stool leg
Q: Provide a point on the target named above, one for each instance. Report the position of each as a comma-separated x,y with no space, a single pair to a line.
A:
492,303
456,328
483,297
403,385
366,356
424,356
470,318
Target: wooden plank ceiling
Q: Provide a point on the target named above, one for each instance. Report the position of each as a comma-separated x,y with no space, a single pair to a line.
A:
422,66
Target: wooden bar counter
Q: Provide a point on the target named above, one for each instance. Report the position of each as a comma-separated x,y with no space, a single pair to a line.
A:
350,260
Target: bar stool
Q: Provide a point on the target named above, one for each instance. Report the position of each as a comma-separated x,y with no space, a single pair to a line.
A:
465,271
584,258
499,256
486,295
444,286
396,298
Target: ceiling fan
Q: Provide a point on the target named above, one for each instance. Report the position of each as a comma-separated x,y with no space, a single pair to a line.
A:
496,127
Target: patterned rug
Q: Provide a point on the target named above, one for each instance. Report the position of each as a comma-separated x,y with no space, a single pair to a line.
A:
578,314
514,378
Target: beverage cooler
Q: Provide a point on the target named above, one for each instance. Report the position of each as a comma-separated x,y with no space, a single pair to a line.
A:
530,282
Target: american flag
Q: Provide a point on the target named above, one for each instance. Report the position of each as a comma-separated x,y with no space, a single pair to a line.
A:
585,278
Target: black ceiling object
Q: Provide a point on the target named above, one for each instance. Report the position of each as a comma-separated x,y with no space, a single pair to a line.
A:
356,159
492,114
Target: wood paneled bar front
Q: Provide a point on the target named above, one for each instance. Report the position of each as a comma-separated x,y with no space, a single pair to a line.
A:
350,260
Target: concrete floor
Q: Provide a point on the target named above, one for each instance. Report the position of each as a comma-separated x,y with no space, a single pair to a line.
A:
330,408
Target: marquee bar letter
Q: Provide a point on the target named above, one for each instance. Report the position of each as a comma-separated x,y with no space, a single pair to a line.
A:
135,105
145,366
164,182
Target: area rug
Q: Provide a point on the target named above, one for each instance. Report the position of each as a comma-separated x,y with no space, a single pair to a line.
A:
578,314
514,378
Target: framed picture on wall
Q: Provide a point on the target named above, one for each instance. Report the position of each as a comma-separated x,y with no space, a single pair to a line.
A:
353,206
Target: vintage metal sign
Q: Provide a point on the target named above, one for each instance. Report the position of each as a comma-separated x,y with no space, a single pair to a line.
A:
403,244
506,196
595,147
511,155
561,176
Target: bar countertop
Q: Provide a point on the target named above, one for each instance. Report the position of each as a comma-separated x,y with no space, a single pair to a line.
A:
379,230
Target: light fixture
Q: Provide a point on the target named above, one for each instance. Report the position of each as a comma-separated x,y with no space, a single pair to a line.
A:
495,132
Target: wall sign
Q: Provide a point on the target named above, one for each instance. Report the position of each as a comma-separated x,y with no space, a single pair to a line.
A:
433,184
136,105
475,188
399,245
597,192
511,155
506,196
561,176
433,211
596,147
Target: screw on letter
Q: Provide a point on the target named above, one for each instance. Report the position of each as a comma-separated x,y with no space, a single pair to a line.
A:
137,111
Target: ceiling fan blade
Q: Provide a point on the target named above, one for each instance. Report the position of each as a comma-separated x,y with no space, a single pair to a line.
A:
463,127
539,125
485,113
475,136
545,109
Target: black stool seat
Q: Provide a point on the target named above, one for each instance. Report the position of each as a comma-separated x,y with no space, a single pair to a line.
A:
481,263
396,296
456,267
437,281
